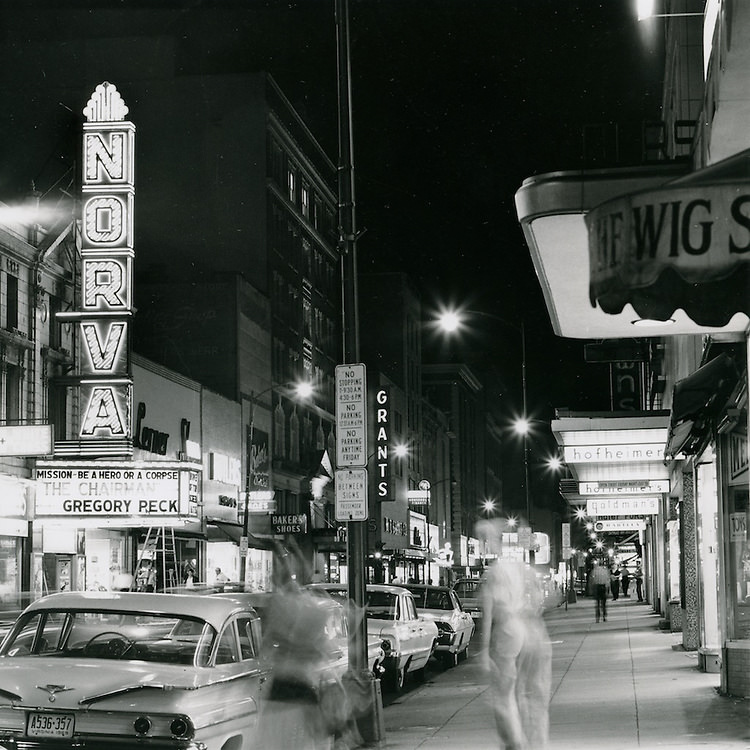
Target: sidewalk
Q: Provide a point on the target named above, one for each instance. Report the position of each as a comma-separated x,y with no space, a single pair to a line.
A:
618,685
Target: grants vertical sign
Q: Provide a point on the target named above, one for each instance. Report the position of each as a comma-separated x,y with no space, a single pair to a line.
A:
107,255
382,426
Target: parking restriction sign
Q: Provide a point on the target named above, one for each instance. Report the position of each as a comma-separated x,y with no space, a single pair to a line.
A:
351,415
351,494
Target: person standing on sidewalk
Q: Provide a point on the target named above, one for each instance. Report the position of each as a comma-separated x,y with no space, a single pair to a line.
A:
598,584
614,582
517,653
638,576
625,581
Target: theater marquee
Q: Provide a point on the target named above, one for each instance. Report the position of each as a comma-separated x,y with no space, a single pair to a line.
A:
136,491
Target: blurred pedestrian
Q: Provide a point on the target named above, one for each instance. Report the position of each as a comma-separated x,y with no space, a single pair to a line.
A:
220,578
638,576
598,585
516,649
625,581
614,582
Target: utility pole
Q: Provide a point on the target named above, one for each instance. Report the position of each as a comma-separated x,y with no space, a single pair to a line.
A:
370,722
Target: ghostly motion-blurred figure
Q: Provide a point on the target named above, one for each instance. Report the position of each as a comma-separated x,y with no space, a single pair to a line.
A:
517,652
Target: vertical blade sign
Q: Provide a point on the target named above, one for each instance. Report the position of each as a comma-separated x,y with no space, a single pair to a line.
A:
107,255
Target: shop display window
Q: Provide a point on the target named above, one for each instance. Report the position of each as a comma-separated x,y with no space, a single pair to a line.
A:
739,552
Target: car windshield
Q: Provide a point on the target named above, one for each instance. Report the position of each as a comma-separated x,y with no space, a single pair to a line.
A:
91,634
382,605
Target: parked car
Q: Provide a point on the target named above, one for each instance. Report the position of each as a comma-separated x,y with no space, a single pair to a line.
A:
469,594
131,669
455,626
336,628
408,639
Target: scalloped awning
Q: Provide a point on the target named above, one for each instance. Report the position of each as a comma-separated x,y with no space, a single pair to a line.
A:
684,245
554,209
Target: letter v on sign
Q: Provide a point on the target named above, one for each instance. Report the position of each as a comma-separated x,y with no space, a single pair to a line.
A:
103,357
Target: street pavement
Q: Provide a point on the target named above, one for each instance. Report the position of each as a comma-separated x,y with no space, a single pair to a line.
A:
618,685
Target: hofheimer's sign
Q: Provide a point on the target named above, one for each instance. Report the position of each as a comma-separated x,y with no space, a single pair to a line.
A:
624,487
619,453
680,246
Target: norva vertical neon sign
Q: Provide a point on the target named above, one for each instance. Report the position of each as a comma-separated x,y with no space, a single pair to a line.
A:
107,255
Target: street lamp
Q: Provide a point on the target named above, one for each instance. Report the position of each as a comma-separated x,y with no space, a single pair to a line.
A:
301,391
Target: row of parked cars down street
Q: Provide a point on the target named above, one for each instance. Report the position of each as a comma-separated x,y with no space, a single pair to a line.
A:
199,670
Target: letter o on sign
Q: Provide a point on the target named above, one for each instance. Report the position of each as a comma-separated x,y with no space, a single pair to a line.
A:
104,220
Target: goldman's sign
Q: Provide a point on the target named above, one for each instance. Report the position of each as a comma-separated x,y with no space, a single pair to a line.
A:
106,305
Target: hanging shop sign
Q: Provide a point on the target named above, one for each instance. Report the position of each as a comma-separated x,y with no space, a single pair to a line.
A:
622,506
291,523
620,524
133,489
677,247
624,487
106,305
624,453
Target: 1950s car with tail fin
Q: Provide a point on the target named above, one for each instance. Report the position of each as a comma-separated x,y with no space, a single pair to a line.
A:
108,670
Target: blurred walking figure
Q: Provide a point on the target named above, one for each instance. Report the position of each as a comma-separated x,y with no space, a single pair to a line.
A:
516,648
598,585
638,575
625,580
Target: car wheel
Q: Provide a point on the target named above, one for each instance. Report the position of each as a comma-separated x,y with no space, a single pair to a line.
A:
396,680
450,659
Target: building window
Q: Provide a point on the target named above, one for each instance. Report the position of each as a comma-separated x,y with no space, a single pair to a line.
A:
294,437
291,183
279,432
12,394
305,200
12,301
55,327
56,411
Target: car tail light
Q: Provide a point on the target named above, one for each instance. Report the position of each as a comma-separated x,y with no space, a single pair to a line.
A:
181,727
142,725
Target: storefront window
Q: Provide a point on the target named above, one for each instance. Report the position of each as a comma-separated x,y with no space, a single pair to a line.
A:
707,526
8,566
739,551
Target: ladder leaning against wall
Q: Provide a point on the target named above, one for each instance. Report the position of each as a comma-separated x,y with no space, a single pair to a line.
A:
157,567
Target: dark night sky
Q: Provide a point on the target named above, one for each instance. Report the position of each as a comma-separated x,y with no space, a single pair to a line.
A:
455,103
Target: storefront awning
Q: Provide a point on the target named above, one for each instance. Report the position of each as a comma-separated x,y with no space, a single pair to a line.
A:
696,402
611,448
552,209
